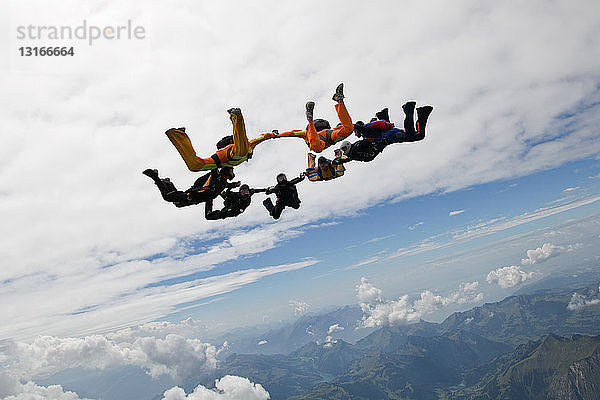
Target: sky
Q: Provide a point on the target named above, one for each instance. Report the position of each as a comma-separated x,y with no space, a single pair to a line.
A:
503,191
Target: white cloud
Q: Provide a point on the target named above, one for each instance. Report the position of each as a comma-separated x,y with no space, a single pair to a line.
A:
379,312
368,293
118,223
229,387
508,277
415,226
571,189
541,254
300,307
579,302
31,391
335,328
457,212
263,342
329,342
174,355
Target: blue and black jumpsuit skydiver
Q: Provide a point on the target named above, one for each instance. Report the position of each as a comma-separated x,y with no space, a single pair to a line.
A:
381,132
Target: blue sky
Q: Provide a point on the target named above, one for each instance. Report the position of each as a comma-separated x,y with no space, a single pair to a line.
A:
502,191
378,231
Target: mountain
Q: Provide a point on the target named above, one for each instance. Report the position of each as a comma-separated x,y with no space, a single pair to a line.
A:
306,329
556,368
463,356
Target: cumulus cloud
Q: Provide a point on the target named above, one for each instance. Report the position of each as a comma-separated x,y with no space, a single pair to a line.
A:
174,355
378,311
335,328
579,302
12,389
541,254
300,307
229,387
508,277
368,293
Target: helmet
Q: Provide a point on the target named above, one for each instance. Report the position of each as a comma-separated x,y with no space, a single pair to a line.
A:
323,160
321,124
224,142
245,190
227,172
345,147
281,178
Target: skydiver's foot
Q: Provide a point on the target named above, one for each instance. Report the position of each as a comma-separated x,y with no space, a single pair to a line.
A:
339,93
152,173
268,205
182,129
310,107
383,115
409,107
275,132
235,111
312,156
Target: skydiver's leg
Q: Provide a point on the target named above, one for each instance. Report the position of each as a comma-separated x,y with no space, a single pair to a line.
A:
311,160
183,144
167,189
422,116
240,140
278,209
210,214
269,205
409,117
346,128
312,137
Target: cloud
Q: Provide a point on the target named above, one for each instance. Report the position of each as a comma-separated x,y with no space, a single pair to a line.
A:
335,328
457,212
229,387
31,391
368,293
124,241
300,307
329,342
541,254
174,355
415,226
263,342
380,312
508,277
362,263
579,302
571,189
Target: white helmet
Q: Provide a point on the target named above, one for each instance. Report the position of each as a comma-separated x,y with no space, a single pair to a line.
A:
345,147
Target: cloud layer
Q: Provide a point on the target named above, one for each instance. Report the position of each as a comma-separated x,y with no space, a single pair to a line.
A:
380,312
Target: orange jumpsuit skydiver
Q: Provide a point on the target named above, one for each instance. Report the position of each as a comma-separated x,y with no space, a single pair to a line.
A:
234,154
319,141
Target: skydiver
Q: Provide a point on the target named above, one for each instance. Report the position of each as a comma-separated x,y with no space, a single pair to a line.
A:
318,134
207,187
235,203
325,169
382,132
286,193
233,152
